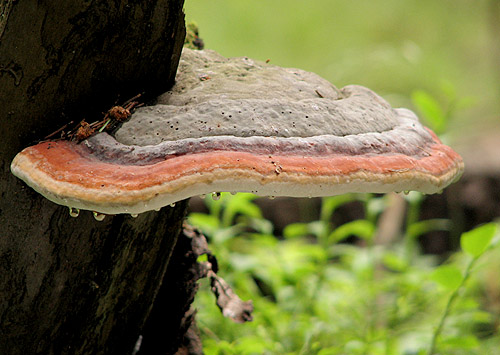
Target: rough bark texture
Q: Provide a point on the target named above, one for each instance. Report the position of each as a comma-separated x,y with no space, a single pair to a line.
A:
75,285
160,335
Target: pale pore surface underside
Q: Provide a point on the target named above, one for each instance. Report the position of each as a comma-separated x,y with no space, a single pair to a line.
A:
217,96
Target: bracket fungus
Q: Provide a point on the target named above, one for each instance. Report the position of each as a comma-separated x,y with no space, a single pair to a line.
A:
241,125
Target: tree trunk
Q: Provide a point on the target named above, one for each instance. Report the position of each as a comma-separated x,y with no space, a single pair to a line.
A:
76,285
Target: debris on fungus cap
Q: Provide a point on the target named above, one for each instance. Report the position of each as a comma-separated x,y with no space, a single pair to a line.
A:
241,125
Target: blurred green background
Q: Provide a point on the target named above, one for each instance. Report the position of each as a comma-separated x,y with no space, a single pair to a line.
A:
449,48
315,296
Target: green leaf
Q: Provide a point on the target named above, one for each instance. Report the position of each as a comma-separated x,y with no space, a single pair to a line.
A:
260,225
207,223
448,276
217,347
395,262
476,241
238,204
328,351
251,345
360,228
430,109
330,204
463,342
418,228
294,230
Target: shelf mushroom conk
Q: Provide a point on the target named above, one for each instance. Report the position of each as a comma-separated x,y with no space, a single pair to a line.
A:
241,125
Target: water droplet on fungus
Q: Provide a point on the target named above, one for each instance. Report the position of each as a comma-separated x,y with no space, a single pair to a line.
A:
215,196
99,216
74,212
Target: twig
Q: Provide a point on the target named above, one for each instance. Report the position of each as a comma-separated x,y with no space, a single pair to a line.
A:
132,99
59,130
112,117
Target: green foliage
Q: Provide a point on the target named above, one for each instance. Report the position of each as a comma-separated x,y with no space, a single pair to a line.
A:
314,294
478,240
474,243
438,114
431,110
448,276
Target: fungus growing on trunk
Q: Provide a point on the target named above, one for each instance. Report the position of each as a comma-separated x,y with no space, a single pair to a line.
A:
240,125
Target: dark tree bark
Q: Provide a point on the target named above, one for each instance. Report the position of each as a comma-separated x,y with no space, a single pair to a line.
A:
75,285
179,288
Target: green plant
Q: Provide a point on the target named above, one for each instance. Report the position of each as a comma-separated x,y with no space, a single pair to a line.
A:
437,114
314,294
474,243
